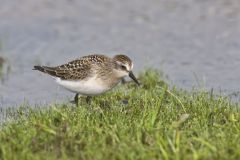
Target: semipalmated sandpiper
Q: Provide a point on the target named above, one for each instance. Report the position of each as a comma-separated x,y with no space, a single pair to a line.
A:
91,75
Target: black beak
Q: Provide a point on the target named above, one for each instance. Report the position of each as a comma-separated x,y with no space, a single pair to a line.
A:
131,75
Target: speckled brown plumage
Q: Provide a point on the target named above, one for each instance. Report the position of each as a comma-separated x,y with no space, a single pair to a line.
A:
77,69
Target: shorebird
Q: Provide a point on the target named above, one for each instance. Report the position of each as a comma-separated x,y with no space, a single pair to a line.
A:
91,75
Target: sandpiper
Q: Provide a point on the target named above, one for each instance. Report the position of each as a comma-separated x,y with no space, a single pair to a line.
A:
91,75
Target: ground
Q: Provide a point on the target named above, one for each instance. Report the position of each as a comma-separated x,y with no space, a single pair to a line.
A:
153,121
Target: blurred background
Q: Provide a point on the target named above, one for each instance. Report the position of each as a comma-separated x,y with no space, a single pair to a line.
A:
195,43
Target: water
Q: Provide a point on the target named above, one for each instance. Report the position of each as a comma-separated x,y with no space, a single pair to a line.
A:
196,43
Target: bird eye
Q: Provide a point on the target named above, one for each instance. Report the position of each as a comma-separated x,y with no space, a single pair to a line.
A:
123,67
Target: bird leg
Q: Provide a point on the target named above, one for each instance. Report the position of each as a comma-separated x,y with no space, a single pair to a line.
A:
76,99
123,81
88,99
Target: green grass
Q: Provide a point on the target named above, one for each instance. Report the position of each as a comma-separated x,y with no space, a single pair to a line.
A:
148,122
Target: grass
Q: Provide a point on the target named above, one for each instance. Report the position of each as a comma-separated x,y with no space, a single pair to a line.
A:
148,122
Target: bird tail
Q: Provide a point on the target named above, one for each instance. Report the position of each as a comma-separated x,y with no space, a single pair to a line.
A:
49,70
39,68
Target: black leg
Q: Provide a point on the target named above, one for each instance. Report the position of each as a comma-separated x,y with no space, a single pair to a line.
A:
123,81
88,99
76,99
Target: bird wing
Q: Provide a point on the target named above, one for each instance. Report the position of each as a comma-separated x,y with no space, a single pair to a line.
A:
75,70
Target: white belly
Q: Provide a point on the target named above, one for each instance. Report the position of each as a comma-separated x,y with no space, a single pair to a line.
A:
90,87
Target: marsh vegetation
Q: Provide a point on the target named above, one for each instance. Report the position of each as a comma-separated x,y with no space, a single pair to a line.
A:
153,121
